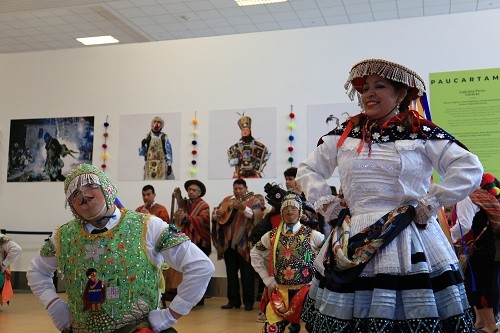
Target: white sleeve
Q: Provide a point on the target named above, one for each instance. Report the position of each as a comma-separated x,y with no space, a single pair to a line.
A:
13,251
459,169
40,276
316,169
466,210
197,270
40,273
187,258
317,239
259,257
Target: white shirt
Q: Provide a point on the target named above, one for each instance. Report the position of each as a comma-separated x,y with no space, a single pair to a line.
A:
13,251
186,257
259,258
466,210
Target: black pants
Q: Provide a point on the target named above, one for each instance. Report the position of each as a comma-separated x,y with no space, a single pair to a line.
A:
234,263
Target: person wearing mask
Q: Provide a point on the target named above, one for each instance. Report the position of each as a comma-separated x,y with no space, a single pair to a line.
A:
284,260
309,216
157,152
122,250
387,265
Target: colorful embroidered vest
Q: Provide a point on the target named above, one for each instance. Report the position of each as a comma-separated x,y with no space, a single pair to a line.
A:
294,257
110,281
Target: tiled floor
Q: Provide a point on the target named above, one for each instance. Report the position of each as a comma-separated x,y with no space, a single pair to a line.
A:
26,314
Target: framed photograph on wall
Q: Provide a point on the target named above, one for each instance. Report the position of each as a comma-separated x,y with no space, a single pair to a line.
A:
46,149
242,143
149,146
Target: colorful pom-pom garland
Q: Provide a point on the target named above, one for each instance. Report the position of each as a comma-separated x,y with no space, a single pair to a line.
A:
105,155
291,138
193,170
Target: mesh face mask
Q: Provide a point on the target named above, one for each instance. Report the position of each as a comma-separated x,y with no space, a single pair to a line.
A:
83,175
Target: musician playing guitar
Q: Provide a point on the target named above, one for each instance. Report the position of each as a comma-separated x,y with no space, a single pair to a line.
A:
232,244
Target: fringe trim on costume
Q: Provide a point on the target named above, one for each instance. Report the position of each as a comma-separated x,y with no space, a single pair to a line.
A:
385,69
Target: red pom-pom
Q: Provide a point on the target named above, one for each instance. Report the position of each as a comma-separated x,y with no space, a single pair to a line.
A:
194,152
104,146
103,166
290,149
487,178
292,115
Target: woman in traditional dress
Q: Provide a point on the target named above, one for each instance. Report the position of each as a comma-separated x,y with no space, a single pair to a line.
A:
387,266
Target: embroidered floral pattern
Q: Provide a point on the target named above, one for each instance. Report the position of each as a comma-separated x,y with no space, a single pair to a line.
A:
397,132
94,250
129,279
288,273
294,259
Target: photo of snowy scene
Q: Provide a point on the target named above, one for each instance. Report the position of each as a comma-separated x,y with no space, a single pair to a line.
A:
47,149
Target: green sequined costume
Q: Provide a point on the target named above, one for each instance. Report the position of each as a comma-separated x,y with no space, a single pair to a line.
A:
128,279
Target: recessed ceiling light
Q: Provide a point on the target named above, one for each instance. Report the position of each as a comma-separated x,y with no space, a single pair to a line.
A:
98,40
256,2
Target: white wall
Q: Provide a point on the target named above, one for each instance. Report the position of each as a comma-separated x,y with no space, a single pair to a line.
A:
299,67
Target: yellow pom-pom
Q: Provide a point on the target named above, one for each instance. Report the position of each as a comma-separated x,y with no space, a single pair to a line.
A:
193,171
195,122
105,156
292,125
194,133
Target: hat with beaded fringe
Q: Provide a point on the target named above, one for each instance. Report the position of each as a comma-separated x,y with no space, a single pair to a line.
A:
291,199
386,69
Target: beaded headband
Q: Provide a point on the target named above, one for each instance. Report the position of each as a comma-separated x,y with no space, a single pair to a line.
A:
291,199
386,69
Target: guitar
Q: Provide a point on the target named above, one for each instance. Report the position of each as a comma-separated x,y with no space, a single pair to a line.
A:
228,208
181,203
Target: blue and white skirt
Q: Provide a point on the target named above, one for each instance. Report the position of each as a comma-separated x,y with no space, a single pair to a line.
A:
413,285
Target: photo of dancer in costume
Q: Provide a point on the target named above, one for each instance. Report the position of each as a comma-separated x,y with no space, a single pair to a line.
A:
248,156
387,266
53,162
157,152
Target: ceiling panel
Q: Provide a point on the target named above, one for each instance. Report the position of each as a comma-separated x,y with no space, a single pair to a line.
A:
28,25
